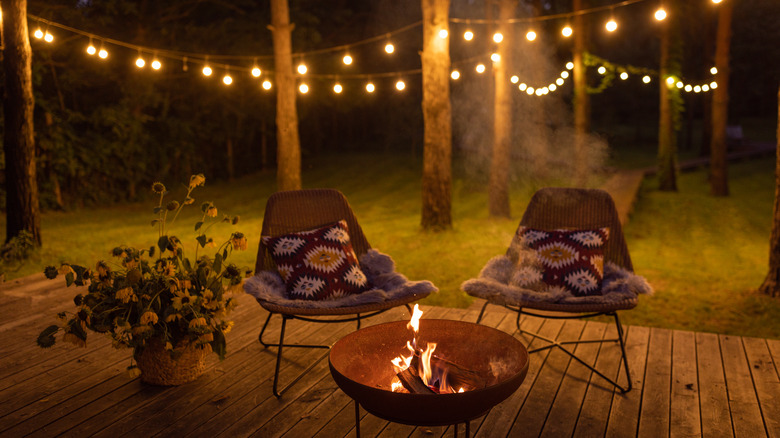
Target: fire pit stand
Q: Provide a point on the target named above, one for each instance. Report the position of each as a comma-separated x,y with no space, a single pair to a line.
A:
360,363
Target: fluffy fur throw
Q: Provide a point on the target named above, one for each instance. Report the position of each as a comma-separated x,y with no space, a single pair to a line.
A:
379,269
494,285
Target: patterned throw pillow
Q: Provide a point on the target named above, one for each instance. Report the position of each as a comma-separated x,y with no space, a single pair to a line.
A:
571,259
317,264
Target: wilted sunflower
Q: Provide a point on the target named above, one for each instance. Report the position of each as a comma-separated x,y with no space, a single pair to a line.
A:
158,188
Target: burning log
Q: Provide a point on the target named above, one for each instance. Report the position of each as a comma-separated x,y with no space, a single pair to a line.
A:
458,378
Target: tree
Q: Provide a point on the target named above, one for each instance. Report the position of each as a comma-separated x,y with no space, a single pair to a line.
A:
581,100
668,112
288,155
498,187
720,103
22,208
771,285
437,117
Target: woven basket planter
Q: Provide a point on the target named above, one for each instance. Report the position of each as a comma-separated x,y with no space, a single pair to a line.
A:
159,368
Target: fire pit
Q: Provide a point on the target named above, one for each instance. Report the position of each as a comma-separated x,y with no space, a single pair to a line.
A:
361,366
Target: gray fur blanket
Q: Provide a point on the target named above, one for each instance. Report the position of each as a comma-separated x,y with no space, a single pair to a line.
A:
494,283
379,269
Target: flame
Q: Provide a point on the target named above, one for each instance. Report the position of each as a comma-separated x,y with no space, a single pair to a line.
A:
397,386
425,371
414,323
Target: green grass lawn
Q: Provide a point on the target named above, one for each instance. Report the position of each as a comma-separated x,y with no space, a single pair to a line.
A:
705,256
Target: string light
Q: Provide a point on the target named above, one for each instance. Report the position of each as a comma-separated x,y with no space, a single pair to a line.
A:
443,33
522,86
302,69
266,85
705,87
670,81
400,85
564,74
156,64
498,37
102,53
207,71
514,79
713,85
569,65
139,62
38,33
697,88
91,50
567,31
716,1
480,68
623,76
370,87
602,70
389,48
455,75
646,79
679,84
227,79
611,25
48,37
688,88
303,88
714,70
338,88
530,91
495,57
531,35
347,59
660,14
559,81
468,35
256,72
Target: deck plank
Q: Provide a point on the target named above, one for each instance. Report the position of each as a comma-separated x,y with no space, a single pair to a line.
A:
685,383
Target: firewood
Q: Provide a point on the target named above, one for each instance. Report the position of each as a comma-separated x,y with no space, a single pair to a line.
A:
413,383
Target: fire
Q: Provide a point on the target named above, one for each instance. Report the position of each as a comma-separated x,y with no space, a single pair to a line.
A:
431,373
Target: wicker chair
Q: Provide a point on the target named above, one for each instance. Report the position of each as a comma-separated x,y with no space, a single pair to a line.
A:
300,210
569,208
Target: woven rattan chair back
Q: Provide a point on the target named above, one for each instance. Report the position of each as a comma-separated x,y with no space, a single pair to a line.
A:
573,208
301,210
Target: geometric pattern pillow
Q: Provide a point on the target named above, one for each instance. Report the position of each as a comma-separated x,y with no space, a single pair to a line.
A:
571,259
317,264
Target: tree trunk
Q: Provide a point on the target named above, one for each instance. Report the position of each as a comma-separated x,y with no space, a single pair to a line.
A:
719,185
581,99
667,147
498,187
771,285
22,208
288,150
437,118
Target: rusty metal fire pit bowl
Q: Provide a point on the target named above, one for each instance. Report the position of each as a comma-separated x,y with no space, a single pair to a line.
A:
361,366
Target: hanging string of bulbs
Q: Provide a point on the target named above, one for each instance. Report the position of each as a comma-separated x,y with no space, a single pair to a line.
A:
251,64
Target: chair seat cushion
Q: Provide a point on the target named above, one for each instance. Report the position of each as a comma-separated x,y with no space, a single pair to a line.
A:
495,285
388,286
572,260
317,264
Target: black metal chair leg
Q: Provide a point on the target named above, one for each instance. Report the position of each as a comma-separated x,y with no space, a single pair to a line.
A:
357,419
482,312
623,352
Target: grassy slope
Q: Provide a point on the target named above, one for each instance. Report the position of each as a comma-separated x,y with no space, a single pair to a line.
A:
703,255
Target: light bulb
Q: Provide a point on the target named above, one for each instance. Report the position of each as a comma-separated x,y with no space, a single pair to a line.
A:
256,72
370,87
602,70
140,63
514,79
611,25
266,85
302,69
646,79
91,49
539,92
716,1
389,48
103,54
624,76
468,35
522,86
38,33
688,88
564,74
559,81
455,74
347,59
400,85
303,88
670,80
207,71
227,80
530,36
714,70
156,64
480,68
498,37
660,14
495,57
48,37
569,65
679,84
443,33
567,31
697,89
552,87
338,88
529,91
705,87
713,85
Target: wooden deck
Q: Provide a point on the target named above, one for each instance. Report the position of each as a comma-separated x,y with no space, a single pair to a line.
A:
685,383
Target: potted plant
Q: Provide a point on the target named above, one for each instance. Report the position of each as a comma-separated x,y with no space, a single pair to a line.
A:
171,310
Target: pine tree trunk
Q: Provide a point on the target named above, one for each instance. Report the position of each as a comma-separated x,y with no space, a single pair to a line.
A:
719,185
22,208
288,155
771,285
581,99
498,187
437,118
667,148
